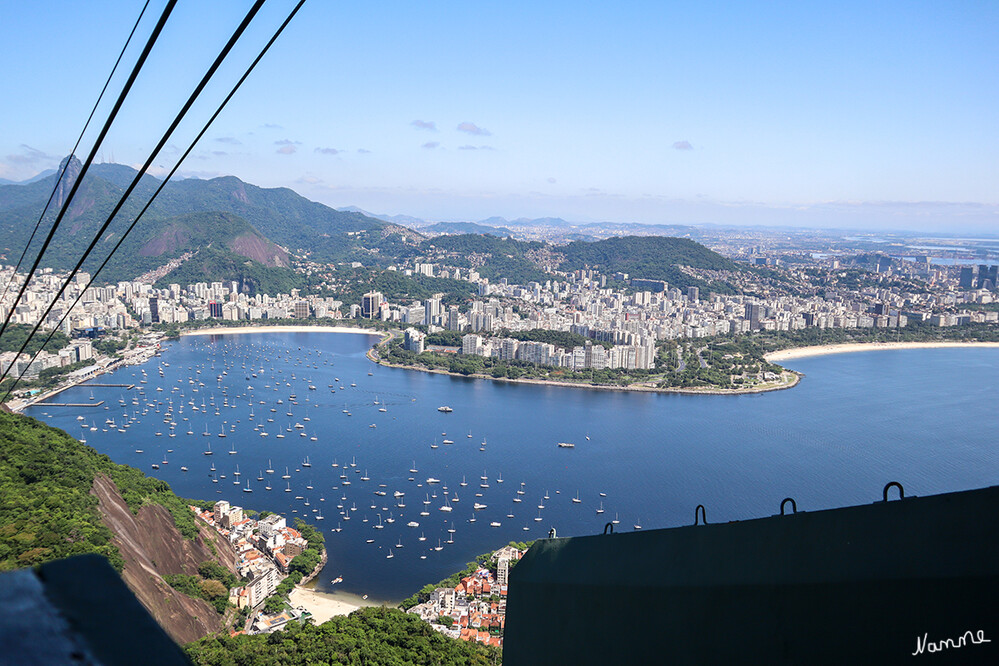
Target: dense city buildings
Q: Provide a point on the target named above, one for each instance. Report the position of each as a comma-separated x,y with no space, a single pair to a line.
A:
623,318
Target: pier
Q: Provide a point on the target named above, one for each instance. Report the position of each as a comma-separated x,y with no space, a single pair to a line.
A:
73,404
125,386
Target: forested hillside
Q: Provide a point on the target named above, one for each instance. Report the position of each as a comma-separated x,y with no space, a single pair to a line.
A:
366,636
650,257
46,509
259,220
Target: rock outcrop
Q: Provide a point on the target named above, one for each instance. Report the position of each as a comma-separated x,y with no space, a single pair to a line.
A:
152,547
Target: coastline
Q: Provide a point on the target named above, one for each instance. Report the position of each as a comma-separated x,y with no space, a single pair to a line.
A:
231,330
823,350
325,605
789,380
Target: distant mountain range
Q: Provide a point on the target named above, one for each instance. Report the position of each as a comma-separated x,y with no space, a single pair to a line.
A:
232,230
241,226
38,176
466,228
521,228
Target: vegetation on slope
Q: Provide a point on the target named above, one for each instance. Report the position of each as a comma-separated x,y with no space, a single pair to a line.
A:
398,287
46,509
16,334
366,636
492,257
212,584
211,264
649,257
280,215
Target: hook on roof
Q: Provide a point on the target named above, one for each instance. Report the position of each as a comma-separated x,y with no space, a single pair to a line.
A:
901,491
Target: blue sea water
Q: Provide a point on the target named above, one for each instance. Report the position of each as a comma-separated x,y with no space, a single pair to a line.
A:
925,418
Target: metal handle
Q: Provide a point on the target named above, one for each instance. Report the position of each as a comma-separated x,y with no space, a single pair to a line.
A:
700,510
609,526
794,505
901,491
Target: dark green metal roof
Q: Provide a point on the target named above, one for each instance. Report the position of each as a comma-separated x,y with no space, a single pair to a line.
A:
859,583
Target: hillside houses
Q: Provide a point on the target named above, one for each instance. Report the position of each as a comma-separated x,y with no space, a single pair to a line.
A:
475,608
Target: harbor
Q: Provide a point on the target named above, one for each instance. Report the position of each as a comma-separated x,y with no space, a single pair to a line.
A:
282,422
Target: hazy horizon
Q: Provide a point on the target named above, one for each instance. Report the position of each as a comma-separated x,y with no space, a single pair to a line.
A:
837,116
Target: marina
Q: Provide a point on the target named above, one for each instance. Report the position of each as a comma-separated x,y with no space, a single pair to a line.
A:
647,460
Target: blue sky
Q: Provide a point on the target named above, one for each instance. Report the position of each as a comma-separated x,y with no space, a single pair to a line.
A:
863,115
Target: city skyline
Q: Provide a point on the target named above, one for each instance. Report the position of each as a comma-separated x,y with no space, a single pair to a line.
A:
841,116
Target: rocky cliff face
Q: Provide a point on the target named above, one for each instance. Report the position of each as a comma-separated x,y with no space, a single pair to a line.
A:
66,183
152,547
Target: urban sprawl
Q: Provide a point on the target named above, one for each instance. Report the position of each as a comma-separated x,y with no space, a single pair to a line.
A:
631,313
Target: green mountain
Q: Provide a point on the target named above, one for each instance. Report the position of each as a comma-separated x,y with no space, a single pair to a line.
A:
238,231
366,636
60,498
492,257
245,221
651,257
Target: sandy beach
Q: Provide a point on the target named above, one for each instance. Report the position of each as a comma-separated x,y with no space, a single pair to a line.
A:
324,606
822,350
279,329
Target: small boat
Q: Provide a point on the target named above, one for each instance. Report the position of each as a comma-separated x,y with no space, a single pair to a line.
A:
445,409
566,445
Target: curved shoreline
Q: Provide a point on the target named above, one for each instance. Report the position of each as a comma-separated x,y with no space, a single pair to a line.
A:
325,605
231,330
790,379
823,350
